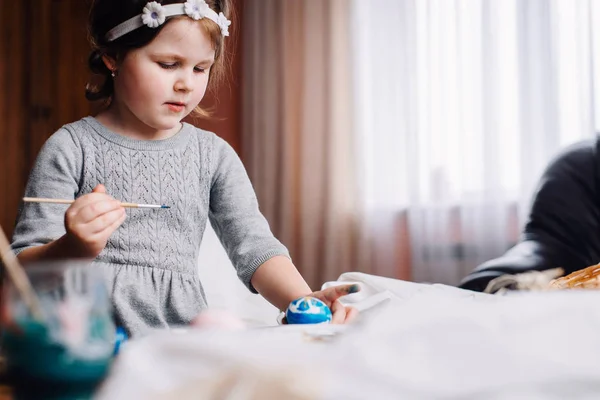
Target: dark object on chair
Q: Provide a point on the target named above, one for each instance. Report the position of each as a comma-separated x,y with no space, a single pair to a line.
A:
563,228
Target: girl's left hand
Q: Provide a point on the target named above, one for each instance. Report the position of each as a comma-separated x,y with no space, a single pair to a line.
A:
341,314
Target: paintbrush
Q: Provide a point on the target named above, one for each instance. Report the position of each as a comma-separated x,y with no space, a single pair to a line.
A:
19,278
66,201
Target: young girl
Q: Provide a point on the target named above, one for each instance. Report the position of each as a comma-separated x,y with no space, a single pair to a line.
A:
157,59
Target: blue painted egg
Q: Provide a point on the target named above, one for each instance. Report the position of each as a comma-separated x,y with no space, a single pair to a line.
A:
308,310
120,338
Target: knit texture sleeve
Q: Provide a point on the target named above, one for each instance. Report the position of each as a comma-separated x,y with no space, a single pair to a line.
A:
55,174
236,217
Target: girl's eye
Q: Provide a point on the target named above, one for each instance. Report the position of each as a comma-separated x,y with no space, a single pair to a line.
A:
167,65
199,69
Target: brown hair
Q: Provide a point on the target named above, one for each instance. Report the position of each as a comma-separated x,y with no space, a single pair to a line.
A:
106,14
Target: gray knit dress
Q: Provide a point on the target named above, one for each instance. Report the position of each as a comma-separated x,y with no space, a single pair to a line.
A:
150,262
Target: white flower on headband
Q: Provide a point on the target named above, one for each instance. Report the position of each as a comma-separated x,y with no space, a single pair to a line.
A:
196,9
223,24
153,15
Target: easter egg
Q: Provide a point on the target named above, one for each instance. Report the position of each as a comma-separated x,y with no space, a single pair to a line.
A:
308,310
218,319
120,338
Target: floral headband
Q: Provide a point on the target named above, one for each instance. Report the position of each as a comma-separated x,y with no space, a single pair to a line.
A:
155,14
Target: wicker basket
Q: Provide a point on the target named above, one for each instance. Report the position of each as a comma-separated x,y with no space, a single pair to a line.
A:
587,278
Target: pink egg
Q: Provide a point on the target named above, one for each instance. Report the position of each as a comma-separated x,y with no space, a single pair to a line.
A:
218,319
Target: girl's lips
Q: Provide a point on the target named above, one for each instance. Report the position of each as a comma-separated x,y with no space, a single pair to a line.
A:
176,107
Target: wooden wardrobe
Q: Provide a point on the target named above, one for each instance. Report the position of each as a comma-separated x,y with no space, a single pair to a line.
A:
43,73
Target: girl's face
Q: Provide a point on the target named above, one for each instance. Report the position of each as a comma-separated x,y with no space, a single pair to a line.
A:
162,82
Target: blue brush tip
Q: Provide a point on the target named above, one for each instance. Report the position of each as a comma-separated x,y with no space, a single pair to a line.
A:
163,206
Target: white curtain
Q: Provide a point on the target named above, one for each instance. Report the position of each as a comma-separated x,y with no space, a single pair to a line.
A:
458,107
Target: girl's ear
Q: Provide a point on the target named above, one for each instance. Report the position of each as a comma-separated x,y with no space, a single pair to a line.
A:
110,62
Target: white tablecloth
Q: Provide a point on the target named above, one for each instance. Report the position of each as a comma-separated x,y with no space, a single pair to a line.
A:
413,341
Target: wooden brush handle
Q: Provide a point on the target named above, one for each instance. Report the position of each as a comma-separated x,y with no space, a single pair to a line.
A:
19,278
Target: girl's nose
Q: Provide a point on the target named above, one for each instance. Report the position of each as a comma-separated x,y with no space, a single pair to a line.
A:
183,83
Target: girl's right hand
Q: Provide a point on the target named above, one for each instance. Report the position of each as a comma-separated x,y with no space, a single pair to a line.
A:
90,221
